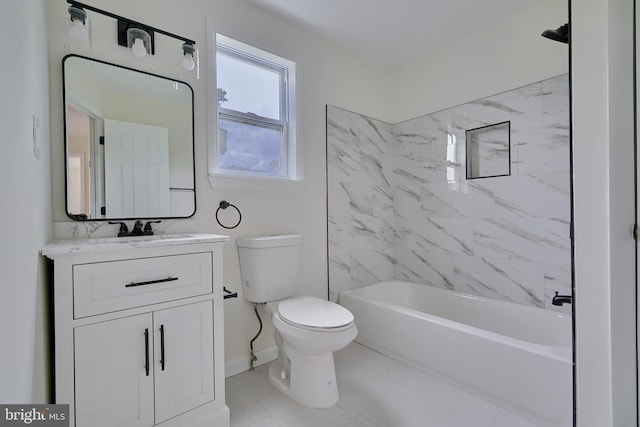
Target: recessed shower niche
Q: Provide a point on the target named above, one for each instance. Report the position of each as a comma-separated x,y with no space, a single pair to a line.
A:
489,151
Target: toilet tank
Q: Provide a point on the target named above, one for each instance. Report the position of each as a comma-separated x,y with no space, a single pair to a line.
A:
269,266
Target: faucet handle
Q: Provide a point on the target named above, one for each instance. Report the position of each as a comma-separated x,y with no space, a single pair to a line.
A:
148,228
123,231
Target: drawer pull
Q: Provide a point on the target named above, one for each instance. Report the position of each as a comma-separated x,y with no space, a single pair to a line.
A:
150,282
146,351
162,346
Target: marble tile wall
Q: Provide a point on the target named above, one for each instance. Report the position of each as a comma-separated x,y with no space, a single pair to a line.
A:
360,215
399,204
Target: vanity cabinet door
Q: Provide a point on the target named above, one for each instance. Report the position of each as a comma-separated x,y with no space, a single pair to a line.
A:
114,373
183,358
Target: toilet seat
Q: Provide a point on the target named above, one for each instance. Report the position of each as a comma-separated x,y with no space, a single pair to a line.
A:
315,314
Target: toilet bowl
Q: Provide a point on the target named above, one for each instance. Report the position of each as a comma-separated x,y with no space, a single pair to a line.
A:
308,331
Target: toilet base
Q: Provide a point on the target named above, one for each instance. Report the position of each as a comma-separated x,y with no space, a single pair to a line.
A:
310,382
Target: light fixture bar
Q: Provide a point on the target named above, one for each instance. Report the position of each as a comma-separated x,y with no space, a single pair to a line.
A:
129,21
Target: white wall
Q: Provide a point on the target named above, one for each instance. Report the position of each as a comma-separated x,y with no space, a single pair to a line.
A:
326,75
505,56
603,156
26,201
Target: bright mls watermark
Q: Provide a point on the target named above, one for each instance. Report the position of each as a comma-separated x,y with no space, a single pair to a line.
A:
37,415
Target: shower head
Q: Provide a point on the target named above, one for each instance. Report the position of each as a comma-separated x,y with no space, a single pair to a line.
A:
560,34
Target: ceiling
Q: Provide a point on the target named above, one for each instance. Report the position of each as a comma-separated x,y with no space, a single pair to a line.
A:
392,32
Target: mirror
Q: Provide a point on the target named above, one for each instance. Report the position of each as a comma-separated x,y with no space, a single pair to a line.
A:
129,144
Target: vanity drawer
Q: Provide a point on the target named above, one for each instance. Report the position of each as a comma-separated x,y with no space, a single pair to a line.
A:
117,285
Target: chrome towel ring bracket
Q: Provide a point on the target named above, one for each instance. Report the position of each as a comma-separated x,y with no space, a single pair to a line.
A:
224,205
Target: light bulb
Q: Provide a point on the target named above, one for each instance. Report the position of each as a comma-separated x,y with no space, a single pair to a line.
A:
138,48
78,30
187,62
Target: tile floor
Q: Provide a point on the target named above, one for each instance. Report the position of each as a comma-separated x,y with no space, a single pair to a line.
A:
375,391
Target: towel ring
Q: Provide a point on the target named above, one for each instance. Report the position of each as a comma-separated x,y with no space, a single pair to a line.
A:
224,205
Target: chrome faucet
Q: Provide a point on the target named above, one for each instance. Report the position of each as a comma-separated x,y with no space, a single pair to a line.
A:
561,299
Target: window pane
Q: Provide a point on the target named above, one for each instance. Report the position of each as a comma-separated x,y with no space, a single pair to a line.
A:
250,88
245,147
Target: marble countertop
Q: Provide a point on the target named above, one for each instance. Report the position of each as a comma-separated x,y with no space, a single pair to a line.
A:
68,247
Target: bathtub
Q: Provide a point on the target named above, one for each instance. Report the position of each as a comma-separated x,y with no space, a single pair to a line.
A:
514,356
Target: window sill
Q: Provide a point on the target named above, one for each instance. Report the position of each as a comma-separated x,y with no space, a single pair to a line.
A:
258,183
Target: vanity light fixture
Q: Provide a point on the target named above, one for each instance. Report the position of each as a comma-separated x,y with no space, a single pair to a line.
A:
137,37
78,24
191,58
188,62
139,41
140,38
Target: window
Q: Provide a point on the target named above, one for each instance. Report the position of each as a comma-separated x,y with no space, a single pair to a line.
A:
255,98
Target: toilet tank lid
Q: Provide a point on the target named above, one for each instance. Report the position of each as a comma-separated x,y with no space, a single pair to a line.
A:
269,241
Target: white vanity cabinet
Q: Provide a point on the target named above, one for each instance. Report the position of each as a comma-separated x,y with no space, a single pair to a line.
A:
139,333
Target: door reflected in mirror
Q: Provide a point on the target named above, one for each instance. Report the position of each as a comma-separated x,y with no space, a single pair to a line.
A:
128,141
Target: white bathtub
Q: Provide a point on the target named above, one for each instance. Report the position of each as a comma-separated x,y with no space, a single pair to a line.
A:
515,356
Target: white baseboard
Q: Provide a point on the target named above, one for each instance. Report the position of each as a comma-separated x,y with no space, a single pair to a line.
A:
236,366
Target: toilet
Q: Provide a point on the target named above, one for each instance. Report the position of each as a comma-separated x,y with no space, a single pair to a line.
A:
308,329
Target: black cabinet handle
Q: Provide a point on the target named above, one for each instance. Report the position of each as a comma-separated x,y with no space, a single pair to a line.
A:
162,346
146,350
151,282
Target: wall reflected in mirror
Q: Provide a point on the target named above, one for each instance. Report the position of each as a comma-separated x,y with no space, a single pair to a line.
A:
129,143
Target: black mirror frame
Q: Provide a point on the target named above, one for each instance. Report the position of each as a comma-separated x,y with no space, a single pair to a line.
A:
76,217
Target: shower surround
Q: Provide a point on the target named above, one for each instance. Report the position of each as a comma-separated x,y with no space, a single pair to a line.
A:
400,206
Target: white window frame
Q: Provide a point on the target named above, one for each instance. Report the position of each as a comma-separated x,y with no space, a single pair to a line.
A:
292,179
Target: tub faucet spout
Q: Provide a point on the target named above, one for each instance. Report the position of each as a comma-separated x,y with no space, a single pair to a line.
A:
561,299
